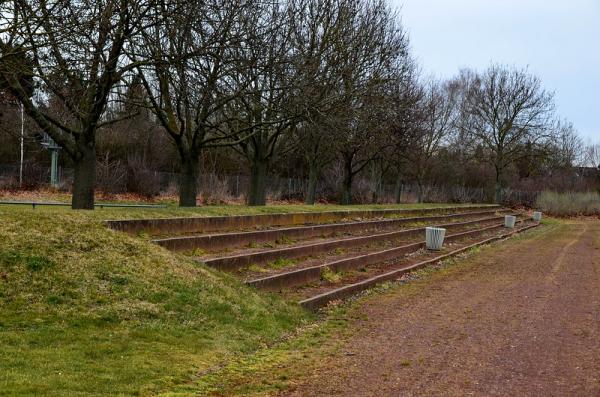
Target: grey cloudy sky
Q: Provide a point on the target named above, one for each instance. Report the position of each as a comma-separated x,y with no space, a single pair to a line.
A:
558,39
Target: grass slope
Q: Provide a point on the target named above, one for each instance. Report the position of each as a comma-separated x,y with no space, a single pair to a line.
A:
88,311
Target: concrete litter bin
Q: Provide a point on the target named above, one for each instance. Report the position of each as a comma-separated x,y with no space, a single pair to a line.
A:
537,216
434,238
509,221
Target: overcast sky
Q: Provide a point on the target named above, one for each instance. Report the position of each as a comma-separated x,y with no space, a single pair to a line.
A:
558,39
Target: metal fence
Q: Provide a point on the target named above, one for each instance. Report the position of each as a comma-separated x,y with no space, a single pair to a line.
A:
222,188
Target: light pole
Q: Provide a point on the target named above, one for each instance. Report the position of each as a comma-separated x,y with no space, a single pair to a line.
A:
22,149
49,144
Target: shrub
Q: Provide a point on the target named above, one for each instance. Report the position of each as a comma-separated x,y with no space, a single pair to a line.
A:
215,191
140,179
111,175
569,204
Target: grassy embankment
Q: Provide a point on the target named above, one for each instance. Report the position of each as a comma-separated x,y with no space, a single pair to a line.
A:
569,204
88,311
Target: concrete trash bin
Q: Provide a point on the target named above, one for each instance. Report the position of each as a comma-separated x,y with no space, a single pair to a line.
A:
509,221
434,238
537,216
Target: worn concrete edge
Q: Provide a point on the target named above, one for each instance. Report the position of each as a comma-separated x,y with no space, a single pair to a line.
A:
182,243
136,225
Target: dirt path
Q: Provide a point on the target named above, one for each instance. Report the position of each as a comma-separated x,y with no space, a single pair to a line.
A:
521,318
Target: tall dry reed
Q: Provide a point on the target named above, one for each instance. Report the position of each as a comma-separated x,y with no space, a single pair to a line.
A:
569,204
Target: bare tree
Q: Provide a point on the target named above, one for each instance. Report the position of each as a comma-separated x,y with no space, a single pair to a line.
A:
372,54
317,26
505,110
405,124
194,48
76,51
591,155
360,140
567,146
265,118
439,110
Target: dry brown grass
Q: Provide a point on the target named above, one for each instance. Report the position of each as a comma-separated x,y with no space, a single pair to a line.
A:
569,204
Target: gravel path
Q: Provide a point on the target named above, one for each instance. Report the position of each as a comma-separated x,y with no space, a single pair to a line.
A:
521,318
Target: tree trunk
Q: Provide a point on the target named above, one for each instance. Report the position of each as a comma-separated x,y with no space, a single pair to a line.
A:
379,185
398,189
257,193
498,186
347,183
313,176
419,179
188,181
498,192
85,177
374,183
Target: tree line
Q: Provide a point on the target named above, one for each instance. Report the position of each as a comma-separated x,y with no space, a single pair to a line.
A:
321,83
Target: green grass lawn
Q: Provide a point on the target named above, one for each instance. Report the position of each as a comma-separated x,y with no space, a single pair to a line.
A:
88,311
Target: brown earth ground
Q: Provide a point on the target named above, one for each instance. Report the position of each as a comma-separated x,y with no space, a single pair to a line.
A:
520,318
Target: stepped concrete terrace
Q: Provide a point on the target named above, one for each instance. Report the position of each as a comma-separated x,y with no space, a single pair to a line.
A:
232,262
318,257
302,275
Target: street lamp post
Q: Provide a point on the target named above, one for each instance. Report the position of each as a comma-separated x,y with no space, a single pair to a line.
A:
22,149
49,144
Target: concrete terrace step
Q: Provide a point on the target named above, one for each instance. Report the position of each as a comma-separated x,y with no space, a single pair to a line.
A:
261,257
322,299
308,274
214,242
166,226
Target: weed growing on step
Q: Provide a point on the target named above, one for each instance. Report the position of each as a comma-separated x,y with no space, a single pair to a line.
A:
338,251
195,252
330,276
415,225
257,269
280,263
284,240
